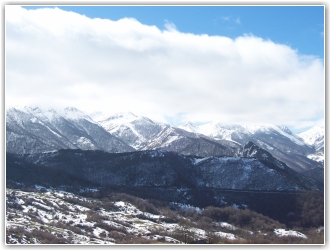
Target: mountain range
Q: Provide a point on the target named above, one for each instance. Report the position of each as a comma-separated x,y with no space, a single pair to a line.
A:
244,169
35,130
256,169
32,130
278,140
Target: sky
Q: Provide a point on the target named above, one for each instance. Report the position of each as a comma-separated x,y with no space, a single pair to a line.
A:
173,64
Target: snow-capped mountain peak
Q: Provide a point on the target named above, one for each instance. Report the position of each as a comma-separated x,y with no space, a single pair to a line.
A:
190,127
72,113
45,129
270,128
136,131
222,131
229,131
285,129
120,118
313,135
48,113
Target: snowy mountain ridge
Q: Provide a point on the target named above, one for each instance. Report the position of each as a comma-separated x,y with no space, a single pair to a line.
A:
136,131
225,131
213,129
277,139
51,113
313,136
33,129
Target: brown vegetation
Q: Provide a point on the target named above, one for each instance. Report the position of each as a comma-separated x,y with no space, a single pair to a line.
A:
250,227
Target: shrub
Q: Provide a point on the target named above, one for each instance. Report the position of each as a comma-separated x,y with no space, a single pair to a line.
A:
46,237
142,205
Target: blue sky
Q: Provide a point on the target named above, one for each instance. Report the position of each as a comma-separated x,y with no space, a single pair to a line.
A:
199,64
300,27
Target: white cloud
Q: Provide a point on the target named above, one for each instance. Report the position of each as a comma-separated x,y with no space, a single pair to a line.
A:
170,26
63,58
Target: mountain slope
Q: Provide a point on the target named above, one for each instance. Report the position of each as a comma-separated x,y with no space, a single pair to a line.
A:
32,129
136,131
278,140
315,138
252,150
145,134
40,215
182,142
166,169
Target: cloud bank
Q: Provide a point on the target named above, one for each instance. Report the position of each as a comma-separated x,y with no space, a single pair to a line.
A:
57,57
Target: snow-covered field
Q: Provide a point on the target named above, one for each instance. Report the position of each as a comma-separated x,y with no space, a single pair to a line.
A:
56,214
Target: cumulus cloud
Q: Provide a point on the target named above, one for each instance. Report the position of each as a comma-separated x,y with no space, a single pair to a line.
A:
63,58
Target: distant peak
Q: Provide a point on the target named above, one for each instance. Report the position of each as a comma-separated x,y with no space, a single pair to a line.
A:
123,115
39,110
126,114
120,117
318,126
34,109
285,129
72,109
190,127
189,124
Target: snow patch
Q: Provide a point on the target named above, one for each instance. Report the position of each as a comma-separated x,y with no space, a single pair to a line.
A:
282,232
198,160
226,235
227,225
186,207
316,157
